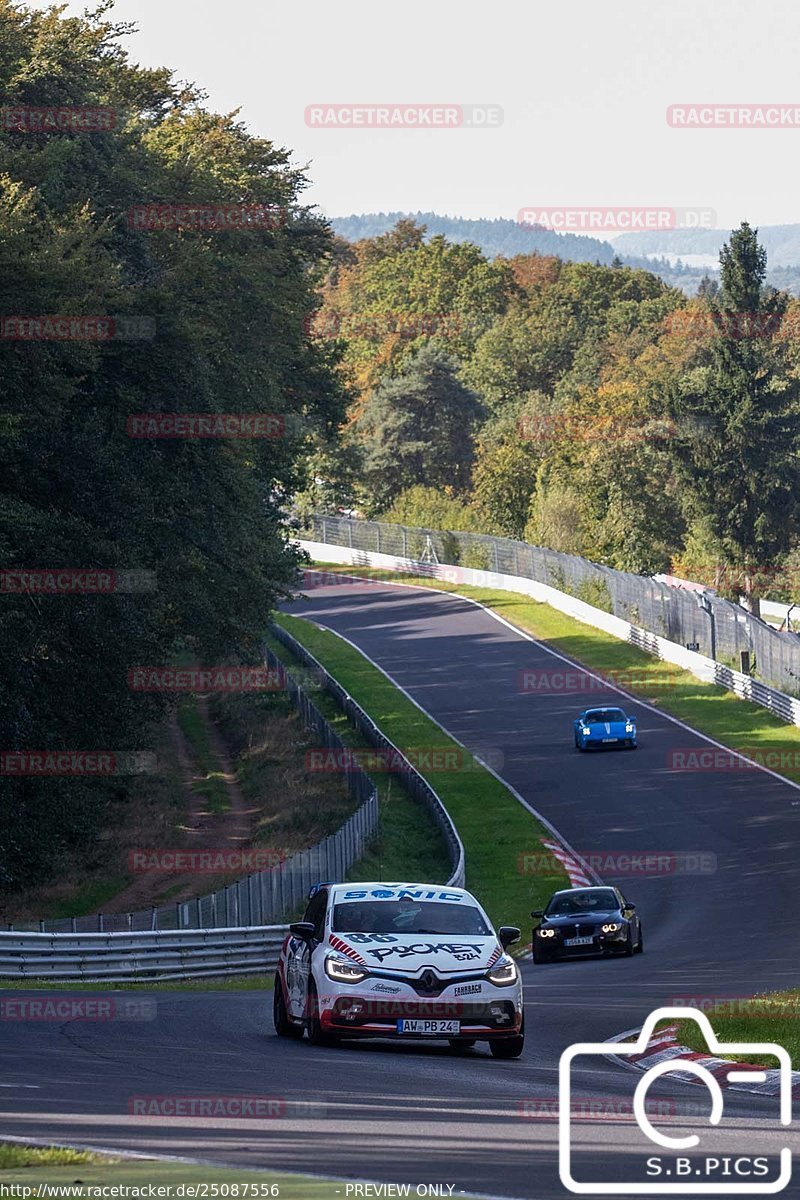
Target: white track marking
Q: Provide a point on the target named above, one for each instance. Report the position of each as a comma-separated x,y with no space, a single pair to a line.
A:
517,796
612,687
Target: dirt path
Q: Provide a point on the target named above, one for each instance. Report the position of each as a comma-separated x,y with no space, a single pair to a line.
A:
202,829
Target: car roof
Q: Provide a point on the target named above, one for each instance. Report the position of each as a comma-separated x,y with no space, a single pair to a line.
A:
595,887
392,891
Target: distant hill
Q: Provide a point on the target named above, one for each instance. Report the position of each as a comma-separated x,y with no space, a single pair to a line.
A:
502,236
781,242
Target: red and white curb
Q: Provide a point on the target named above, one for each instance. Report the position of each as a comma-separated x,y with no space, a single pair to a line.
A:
578,875
664,1047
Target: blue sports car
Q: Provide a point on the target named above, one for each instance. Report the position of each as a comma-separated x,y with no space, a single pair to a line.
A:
598,727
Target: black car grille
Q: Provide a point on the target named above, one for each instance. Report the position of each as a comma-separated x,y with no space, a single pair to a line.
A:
571,931
498,1014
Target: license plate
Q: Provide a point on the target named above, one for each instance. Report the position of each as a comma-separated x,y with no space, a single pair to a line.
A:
610,739
429,1027
578,941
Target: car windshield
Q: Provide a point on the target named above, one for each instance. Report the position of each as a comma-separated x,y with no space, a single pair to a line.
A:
402,916
577,902
602,716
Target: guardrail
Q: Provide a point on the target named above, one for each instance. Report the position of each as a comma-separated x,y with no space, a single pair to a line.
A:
262,897
415,783
784,706
720,629
126,957
195,946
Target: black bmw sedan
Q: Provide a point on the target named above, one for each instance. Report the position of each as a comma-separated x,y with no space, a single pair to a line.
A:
587,920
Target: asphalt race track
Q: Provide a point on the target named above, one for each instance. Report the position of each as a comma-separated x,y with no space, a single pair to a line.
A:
419,1114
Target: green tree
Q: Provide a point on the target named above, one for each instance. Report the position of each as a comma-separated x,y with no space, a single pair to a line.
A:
418,428
737,412
226,307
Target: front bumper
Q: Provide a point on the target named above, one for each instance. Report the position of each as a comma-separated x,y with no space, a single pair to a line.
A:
602,943
356,1014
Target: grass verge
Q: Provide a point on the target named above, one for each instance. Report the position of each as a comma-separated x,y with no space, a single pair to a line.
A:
492,824
712,710
219,983
772,1017
13,1156
211,784
100,1170
409,844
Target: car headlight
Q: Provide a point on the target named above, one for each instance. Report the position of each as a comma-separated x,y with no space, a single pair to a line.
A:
630,728
612,928
340,970
546,932
504,973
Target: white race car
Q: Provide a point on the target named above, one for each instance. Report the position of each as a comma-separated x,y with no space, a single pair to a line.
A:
399,960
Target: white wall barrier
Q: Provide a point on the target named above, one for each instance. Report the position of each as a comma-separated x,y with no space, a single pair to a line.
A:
785,707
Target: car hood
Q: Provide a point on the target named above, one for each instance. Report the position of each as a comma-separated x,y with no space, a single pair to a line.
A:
413,952
607,728
593,918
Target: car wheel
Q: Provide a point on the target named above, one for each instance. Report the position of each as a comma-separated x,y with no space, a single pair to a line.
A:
459,1044
316,1034
509,1047
284,1027
629,946
640,943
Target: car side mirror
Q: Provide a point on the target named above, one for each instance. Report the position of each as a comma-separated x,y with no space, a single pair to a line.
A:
538,912
630,907
508,934
302,929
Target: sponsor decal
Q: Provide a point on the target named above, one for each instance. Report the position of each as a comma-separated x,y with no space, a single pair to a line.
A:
461,951
381,987
397,892
467,989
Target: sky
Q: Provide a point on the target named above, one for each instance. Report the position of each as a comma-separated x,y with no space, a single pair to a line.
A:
584,88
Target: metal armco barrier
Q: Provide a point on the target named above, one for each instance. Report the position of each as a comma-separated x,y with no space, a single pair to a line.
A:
225,933
263,897
414,783
125,957
785,706
671,613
